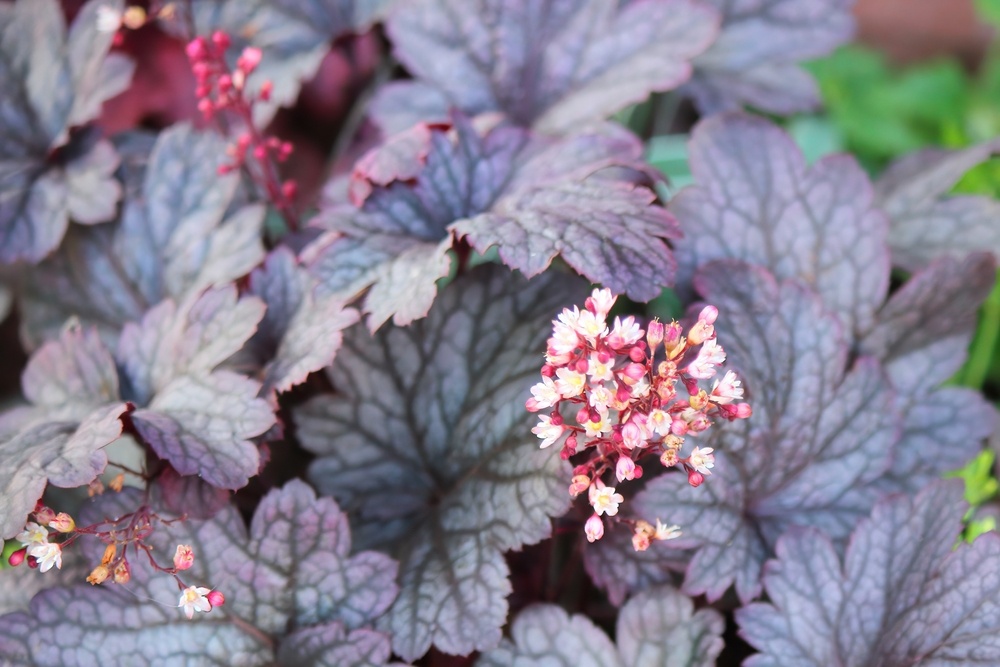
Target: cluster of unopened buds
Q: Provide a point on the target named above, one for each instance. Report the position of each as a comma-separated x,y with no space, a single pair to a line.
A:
627,401
40,548
220,88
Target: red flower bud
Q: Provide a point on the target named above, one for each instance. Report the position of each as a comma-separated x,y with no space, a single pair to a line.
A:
265,91
695,478
216,598
196,49
17,557
221,39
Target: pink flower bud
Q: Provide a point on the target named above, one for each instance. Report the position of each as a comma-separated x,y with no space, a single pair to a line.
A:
548,371
625,469
44,515
594,528
654,334
265,91
637,354
285,151
634,372
249,59
225,83
289,189
578,485
695,478
32,562
637,472
220,39
260,152
679,427
63,523
703,329
640,541
583,416
196,49
216,598
17,557
183,557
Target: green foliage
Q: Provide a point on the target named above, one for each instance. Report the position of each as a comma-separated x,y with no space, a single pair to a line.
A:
980,487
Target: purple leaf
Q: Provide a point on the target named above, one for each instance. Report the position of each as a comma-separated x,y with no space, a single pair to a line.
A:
618,569
189,495
400,158
554,65
300,332
76,412
174,238
821,437
756,58
429,447
53,81
657,627
660,627
331,645
546,634
926,222
901,596
293,36
90,625
198,418
535,198
921,335
757,201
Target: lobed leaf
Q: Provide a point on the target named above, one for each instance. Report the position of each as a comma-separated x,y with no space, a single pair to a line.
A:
927,222
429,448
901,594
59,439
657,627
552,65
301,331
757,201
53,81
173,239
533,198
756,59
256,572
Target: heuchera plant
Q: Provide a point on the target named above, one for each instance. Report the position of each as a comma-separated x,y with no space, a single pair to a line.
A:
281,400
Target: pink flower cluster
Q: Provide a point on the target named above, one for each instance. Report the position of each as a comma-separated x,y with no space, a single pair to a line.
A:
630,395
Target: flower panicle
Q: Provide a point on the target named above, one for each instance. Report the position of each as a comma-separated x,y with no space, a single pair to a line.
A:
47,534
614,394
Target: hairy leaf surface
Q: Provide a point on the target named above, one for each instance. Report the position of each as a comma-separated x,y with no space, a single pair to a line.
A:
53,80
174,238
257,572
533,198
756,59
900,596
429,448
552,65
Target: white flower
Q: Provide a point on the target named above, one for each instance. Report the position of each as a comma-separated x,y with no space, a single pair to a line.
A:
32,534
545,394
47,554
627,330
547,431
601,397
604,500
563,340
193,598
709,356
664,532
602,300
570,383
598,428
659,421
591,326
625,469
600,371
702,459
109,19
728,390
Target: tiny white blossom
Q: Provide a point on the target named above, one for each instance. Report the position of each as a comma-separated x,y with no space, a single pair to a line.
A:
109,19
625,469
664,532
594,528
193,598
709,356
604,500
32,534
727,390
601,397
598,428
547,431
602,300
570,383
591,326
627,330
600,371
702,459
47,554
545,394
